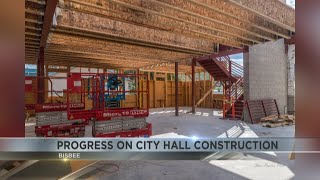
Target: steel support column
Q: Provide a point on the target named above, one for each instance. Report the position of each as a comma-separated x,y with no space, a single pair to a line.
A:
138,86
193,94
176,72
40,75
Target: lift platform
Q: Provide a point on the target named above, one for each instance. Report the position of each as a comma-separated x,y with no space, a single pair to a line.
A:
51,115
99,97
116,120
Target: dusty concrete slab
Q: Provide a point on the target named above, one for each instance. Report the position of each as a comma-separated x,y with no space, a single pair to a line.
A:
205,123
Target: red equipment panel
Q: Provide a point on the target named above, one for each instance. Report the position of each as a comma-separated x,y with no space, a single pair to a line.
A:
74,82
28,84
57,107
123,112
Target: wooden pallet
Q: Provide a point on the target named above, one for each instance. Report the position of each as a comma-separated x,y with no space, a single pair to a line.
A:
276,121
273,125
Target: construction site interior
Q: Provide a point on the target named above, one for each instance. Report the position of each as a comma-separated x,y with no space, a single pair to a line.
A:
163,68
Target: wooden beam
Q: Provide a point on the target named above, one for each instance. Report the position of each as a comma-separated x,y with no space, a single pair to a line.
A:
105,36
164,20
33,28
225,29
80,59
32,34
243,17
33,21
175,27
39,13
151,11
110,55
280,14
60,41
41,2
87,23
206,94
70,61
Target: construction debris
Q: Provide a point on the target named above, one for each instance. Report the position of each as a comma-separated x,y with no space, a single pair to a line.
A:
276,121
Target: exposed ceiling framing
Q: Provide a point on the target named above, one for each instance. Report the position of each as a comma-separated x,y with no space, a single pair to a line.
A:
149,34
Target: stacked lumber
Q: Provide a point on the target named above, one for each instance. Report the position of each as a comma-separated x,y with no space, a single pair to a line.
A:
276,121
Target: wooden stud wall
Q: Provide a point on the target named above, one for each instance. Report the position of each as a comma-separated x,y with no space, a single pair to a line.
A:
161,95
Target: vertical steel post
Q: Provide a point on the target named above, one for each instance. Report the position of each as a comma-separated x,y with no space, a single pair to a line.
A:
40,75
224,108
193,94
148,92
233,109
138,86
176,71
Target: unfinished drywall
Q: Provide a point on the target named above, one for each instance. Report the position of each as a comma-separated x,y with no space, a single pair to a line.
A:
265,73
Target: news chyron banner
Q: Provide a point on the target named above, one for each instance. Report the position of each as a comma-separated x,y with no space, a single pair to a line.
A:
144,148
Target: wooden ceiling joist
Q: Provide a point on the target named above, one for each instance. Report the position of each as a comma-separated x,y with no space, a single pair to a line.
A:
65,61
59,41
178,25
32,34
33,28
73,63
148,34
33,21
224,29
35,12
281,14
244,17
111,53
103,36
41,2
94,59
111,28
174,27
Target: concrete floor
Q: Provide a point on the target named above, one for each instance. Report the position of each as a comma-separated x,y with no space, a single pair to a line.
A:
205,123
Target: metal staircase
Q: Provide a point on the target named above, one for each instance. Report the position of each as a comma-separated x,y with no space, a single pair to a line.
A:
230,74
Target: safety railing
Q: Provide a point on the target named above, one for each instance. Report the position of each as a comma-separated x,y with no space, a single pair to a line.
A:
235,68
103,89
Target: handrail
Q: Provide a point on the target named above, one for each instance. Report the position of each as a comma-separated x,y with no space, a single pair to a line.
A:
236,69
